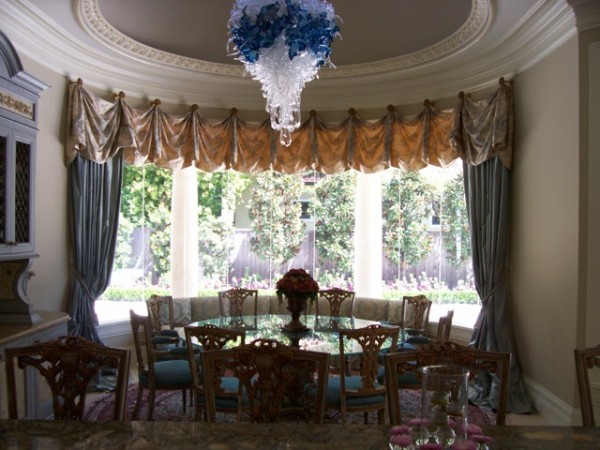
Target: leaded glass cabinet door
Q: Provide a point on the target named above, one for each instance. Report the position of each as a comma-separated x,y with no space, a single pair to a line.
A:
16,189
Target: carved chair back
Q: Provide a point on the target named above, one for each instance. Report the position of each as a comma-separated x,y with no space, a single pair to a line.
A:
160,312
415,314
371,340
273,381
478,362
231,301
208,337
145,354
445,327
68,364
335,297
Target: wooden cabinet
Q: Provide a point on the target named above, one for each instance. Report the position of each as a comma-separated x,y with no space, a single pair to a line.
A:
17,157
33,393
19,94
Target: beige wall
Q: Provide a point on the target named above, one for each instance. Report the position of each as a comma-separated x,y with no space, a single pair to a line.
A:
545,257
589,45
49,288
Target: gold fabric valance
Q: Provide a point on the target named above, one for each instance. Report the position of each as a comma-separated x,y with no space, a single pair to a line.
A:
474,131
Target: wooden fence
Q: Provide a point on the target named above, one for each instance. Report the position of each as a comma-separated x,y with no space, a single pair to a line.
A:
245,262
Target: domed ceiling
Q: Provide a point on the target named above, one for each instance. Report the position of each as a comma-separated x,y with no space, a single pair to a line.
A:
389,52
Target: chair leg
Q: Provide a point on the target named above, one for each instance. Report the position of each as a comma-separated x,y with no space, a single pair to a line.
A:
198,407
184,394
138,402
150,404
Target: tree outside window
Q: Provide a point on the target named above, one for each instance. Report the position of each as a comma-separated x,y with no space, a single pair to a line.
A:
407,210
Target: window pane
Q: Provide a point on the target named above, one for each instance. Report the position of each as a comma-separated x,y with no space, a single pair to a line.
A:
253,228
277,232
426,240
333,212
142,259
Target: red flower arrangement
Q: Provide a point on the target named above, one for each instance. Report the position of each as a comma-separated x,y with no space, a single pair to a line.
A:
297,281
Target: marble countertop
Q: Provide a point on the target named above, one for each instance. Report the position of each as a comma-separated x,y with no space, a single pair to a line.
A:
54,435
10,332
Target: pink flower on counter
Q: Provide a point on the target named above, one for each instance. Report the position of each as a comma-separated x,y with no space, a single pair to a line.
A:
431,447
399,429
401,440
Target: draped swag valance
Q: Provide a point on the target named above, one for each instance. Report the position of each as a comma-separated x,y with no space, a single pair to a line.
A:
474,131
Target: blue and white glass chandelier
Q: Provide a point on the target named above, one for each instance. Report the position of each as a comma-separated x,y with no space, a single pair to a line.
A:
282,44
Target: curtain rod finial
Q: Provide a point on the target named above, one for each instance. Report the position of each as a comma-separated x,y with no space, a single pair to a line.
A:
156,102
194,107
461,95
313,113
234,111
391,108
501,80
352,111
79,82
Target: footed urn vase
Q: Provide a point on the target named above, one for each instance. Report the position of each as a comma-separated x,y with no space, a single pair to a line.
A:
296,304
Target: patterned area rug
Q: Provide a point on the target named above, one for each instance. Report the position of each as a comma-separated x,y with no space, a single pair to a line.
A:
169,406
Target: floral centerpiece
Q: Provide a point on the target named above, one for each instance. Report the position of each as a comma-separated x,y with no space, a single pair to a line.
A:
297,286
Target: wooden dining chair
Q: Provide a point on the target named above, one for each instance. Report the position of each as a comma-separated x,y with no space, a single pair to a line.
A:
442,335
276,382
361,392
335,297
402,371
232,301
68,364
160,312
415,314
210,337
445,327
157,369
586,359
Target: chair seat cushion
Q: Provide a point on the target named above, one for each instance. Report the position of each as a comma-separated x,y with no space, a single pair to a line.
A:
169,373
333,396
172,333
165,340
418,340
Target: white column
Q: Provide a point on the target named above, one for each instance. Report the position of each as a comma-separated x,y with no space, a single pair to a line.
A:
184,233
368,244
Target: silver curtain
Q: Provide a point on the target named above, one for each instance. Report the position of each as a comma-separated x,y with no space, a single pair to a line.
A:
95,198
487,191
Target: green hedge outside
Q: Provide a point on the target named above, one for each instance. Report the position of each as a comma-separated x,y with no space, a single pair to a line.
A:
443,297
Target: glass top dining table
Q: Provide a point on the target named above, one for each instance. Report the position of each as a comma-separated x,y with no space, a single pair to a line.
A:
322,334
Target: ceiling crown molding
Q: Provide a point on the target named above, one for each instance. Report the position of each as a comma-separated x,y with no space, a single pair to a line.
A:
75,54
587,13
101,30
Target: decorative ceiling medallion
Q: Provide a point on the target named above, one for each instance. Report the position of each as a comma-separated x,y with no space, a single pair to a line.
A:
470,32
